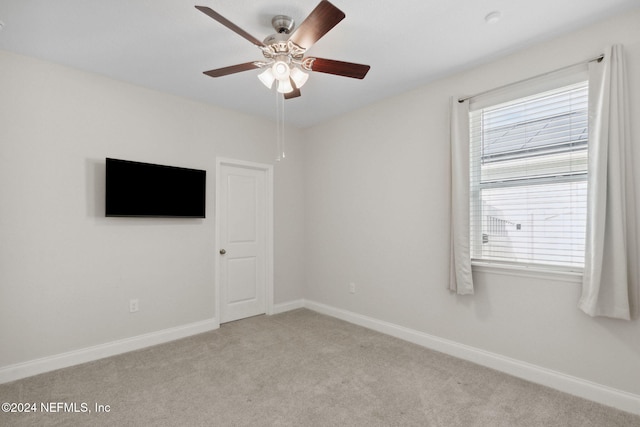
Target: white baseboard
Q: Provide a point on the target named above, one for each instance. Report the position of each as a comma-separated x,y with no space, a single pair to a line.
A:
89,354
288,306
579,387
63,360
625,401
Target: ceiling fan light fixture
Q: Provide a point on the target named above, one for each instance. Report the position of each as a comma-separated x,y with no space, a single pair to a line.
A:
267,78
299,77
284,86
281,70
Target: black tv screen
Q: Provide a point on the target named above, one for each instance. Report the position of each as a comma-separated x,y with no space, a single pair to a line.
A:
147,190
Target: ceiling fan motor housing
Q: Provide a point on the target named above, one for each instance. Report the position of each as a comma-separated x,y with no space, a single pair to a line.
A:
278,45
283,25
278,38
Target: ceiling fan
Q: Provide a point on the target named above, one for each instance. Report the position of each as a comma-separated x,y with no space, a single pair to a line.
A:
284,51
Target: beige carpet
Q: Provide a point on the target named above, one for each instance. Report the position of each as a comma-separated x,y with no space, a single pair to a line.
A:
296,369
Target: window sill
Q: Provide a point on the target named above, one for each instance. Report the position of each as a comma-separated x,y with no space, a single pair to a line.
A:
528,272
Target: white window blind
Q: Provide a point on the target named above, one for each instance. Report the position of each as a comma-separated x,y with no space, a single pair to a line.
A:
529,179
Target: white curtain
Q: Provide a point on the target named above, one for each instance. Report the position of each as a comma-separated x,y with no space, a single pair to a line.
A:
460,279
610,271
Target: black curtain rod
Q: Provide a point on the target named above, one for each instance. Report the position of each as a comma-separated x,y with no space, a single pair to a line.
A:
597,58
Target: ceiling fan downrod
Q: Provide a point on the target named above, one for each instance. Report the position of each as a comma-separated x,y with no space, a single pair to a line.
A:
283,24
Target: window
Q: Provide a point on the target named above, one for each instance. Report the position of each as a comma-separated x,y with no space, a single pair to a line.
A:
528,179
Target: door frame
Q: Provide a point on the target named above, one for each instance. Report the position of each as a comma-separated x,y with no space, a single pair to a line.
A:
269,270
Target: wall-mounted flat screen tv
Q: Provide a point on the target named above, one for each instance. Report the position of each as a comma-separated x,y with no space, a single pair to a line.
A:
137,189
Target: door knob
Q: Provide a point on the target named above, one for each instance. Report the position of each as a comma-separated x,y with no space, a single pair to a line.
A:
222,252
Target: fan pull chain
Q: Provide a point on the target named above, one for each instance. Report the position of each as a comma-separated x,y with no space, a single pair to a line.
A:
280,155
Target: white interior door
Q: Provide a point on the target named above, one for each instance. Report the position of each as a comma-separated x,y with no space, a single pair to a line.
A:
244,248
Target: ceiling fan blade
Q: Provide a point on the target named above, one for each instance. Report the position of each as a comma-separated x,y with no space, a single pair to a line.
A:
339,68
296,93
219,72
322,19
233,27
293,94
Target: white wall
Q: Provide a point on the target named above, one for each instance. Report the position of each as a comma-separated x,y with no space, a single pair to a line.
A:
67,272
377,210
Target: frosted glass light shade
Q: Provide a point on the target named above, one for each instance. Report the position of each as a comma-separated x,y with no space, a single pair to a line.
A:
284,86
299,77
281,71
267,78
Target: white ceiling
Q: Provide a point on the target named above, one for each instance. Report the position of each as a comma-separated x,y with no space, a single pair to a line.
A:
167,44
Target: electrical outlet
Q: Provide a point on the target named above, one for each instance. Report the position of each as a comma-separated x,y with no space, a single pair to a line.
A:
352,288
133,305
